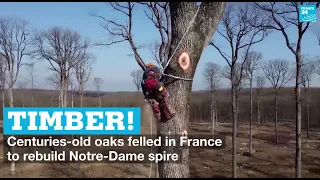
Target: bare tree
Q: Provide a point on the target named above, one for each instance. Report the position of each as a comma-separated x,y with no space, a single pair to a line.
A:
251,63
63,49
31,77
22,85
237,30
279,73
72,87
14,44
137,79
211,76
98,82
185,29
260,84
279,16
3,71
54,81
240,76
307,70
82,72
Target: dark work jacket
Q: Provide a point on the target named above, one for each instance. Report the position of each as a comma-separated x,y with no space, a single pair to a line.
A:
145,76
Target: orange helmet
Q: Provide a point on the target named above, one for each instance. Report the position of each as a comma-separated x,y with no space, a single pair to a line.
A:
149,65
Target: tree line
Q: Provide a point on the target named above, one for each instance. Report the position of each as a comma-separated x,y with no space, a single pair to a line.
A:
184,27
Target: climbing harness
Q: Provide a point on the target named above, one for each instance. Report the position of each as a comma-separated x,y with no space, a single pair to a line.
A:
167,64
175,77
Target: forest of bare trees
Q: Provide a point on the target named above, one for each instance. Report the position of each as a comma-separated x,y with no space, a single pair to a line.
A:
184,27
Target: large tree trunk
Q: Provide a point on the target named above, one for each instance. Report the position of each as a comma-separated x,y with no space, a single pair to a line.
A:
22,99
72,99
276,115
3,100
258,110
234,101
12,150
32,101
216,112
298,112
138,103
251,117
212,111
10,92
81,94
195,41
308,111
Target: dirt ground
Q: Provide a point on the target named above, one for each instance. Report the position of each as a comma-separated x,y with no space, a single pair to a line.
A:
269,160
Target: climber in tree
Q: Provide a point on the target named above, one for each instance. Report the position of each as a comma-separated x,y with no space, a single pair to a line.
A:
155,93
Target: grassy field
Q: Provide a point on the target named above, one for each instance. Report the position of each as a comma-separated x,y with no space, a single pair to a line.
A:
268,160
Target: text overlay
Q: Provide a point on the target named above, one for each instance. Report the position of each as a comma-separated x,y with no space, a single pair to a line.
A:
71,121
142,148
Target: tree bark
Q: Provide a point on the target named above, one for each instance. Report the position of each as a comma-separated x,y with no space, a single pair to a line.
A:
138,97
12,150
237,107
251,117
276,114
32,101
72,100
3,103
298,112
308,111
81,94
194,42
258,111
212,111
234,121
216,112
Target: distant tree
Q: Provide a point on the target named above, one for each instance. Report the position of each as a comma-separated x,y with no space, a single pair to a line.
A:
54,81
279,16
279,73
15,39
22,85
3,71
82,72
240,35
63,49
137,79
307,70
72,87
31,77
251,62
240,77
260,84
97,82
211,76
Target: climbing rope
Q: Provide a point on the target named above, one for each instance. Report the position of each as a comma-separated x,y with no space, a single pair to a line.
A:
176,77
